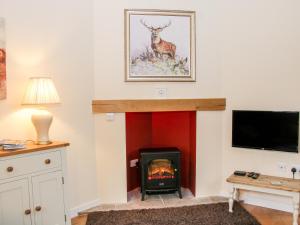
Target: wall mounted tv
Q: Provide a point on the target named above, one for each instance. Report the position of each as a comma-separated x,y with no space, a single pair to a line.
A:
266,130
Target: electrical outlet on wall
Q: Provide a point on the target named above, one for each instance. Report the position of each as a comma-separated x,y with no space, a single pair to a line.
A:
110,117
133,162
281,167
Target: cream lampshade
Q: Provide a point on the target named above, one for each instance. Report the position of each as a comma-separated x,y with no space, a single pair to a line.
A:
41,91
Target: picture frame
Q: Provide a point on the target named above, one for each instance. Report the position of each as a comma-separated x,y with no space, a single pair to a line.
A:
3,88
160,45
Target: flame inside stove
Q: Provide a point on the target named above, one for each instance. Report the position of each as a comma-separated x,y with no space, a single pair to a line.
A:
161,169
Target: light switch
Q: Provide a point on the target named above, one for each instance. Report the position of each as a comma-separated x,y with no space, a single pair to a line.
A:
161,92
110,116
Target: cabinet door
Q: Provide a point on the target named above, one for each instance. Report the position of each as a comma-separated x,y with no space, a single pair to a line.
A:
14,203
48,199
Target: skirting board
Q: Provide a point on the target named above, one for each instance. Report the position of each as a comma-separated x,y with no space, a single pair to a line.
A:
263,202
74,211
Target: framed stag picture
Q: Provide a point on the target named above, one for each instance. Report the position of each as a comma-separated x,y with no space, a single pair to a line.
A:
2,61
159,45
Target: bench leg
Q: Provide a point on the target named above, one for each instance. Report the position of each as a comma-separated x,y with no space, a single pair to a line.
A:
237,194
296,209
231,199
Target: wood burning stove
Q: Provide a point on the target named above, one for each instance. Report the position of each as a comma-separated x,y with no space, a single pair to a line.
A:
160,170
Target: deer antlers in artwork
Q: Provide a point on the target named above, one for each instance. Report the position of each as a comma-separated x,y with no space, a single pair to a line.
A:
158,45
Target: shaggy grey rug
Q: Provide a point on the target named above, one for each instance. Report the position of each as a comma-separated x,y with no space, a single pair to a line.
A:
208,214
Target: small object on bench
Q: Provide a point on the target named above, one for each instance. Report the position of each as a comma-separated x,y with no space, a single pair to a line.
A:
250,174
255,176
239,173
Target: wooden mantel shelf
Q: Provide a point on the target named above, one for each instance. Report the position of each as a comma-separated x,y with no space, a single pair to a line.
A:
156,105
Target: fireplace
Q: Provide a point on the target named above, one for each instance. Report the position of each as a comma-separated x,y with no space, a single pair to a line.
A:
160,170
156,130
193,126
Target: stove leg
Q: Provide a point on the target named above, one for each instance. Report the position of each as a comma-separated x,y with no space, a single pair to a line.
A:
143,195
179,192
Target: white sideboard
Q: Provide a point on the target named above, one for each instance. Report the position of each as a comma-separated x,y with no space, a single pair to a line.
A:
32,186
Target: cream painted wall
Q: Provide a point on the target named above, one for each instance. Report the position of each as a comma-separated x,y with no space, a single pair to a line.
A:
54,38
208,154
261,71
109,84
109,51
247,51
111,158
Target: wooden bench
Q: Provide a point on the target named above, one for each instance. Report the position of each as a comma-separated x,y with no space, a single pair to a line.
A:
266,184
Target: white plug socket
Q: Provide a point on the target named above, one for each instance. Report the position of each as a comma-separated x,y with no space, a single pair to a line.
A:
133,162
281,167
110,116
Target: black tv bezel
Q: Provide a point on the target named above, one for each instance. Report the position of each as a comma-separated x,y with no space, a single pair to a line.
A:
279,149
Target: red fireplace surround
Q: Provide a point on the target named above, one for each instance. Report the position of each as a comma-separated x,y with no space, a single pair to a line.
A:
162,129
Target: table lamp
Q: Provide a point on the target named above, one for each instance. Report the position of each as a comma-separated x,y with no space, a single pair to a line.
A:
41,91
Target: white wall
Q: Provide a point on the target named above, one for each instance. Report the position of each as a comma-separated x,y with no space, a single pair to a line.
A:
109,84
247,51
208,153
111,158
54,38
261,71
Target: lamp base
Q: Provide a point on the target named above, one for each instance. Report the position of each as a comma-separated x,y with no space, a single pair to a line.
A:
42,120
43,142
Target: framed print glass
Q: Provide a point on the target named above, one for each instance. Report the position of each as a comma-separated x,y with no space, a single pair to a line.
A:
2,61
159,45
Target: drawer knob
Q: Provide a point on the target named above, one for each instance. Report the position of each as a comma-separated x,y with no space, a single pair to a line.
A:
47,161
38,208
10,169
27,211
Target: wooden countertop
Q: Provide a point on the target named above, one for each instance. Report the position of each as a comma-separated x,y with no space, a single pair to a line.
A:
30,147
264,181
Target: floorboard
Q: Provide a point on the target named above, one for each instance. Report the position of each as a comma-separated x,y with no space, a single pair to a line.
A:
269,216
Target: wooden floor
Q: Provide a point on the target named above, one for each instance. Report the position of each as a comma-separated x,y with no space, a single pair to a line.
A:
263,215
269,216
79,220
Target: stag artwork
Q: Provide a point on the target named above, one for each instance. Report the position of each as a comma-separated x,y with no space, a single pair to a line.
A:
159,46
2,62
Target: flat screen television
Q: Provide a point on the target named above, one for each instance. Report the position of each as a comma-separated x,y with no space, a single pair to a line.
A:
266,130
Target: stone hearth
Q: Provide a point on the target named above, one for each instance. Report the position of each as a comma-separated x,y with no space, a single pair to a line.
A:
157,201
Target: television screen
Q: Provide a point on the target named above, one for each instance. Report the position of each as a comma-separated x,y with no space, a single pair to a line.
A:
266,130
